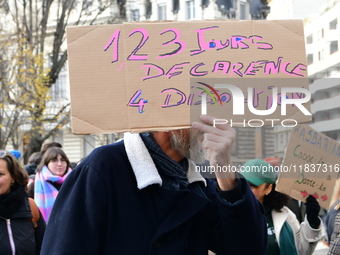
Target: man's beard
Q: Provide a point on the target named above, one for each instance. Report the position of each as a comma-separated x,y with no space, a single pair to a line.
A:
188,143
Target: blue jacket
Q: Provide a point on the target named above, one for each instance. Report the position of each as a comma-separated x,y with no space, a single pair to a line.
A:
100,210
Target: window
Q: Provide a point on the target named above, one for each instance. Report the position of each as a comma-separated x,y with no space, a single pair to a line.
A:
334,91
58,89
135,15
161,12
321,94
312,99
321,55
333,24
333,134
333,47
332,71
190,10
334,113
320,116
309,39
242,10
320,34
309,59
88,7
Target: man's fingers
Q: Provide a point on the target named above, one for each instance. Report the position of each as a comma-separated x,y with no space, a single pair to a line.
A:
216,138
207,129
221,143
207,119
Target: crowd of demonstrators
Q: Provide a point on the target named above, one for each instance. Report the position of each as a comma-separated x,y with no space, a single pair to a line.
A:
50,175
142,195
147,184
18,234
285,234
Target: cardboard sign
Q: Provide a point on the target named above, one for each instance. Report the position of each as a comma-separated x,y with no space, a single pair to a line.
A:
136,76
311,166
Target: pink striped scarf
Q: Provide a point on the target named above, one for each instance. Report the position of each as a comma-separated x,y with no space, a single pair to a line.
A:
44,192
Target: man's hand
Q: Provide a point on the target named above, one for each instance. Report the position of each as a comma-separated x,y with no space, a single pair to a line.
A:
218,142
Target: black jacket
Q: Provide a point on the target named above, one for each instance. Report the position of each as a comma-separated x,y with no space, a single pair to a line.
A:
27,239
100,210
30,168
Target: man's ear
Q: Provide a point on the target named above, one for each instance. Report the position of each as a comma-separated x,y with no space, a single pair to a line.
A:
162,138
161,135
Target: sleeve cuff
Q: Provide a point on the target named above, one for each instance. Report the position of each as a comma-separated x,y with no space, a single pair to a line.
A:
234,194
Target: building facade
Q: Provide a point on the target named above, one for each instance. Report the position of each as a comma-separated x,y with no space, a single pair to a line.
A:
322,33
323,59
179,10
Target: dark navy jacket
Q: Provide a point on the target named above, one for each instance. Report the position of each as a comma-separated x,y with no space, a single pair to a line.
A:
100,210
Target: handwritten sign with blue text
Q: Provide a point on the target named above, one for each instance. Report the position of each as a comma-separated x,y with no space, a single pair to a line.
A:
311,166
126,77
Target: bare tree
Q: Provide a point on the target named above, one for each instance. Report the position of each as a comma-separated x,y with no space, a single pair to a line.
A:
35,34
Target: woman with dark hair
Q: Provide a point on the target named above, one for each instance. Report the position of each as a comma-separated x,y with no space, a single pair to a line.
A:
51,173
18,235
285,235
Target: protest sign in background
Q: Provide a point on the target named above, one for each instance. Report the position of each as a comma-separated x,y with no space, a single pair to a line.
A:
122,77
310,167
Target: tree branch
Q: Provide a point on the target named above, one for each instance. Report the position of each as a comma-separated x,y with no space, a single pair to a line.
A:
60,124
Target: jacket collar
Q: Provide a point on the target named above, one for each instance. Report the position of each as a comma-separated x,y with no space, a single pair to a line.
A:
143,166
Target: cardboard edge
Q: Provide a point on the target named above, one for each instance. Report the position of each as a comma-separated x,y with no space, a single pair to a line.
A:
154,129
86,29
90,129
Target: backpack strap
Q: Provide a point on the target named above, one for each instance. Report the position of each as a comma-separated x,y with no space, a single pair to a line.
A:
35,212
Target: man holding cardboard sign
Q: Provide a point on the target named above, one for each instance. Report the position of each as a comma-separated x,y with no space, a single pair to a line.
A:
143,196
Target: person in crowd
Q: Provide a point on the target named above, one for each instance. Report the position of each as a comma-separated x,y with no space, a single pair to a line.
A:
333,211
51,174
285,234
73,165
144,195
35,158
16,154
46,146
18,235
298,208
334,247
33,162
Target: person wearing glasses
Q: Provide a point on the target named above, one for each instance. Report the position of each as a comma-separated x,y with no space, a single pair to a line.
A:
51,173
18,235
